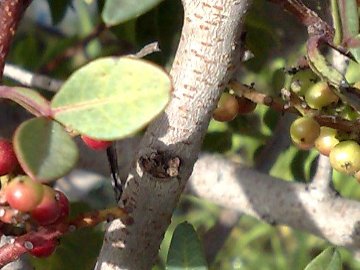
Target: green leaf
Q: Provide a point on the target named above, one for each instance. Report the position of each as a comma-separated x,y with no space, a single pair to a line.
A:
58,9
350,24
349,18
119,11
335,14
44,149
30,99
355,51
329,259
185,250
112,98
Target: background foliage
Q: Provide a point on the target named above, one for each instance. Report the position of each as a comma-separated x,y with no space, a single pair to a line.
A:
51,41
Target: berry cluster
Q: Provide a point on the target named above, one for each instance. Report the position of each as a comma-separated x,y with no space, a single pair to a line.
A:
26,201
342,148
229,106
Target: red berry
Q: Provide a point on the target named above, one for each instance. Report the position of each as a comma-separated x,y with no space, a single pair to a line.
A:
95,144
63,205
8,160
48,210
45,249
24,194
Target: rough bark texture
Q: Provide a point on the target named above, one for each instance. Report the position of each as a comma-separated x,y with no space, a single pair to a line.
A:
11,12
272,200
208,52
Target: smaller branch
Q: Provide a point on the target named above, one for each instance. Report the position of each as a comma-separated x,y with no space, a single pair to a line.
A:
305,15
322,180
252,94
96,217
10,14
276,201
148,49
30,79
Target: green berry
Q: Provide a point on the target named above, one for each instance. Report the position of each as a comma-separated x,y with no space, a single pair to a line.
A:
304,131
326,140
320,95
345,157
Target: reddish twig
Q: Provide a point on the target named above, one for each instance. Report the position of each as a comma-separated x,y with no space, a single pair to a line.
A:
297,8
11,12
37,238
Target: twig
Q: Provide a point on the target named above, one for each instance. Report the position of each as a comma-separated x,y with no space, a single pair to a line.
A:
30,79
10,14
148,49
23,263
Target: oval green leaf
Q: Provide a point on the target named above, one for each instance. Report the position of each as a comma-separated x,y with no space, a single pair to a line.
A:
119,11
44,149
349,18
185,250
112,98
329,259
30,99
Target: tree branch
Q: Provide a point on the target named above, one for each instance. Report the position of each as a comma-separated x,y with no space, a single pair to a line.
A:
202,67
277,202
11,12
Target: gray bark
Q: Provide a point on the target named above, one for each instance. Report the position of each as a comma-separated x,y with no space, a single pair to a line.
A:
208,54
309,208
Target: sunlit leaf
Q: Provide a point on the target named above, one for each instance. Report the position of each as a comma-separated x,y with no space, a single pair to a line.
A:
111,98
349,18
329,259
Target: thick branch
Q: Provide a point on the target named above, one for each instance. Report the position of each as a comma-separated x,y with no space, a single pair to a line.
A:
11,12
206,58
277,202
